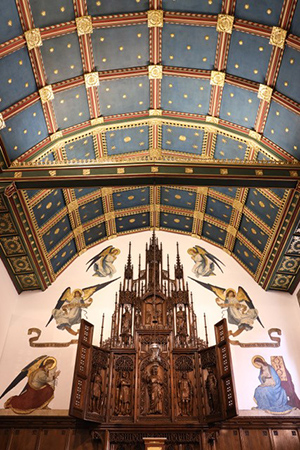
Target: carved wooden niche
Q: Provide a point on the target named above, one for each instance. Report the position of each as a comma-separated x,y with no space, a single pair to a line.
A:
185,383
97,406
122,398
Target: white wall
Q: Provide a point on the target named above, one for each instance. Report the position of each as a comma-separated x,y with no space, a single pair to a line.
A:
33,309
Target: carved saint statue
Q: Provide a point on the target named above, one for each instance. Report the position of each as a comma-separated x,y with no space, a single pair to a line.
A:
211,386
181,321
96,392
185,394
138,318
126,321
123,394
155,391
154,311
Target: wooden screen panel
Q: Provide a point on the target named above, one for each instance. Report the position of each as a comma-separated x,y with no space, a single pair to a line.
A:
4,438
82,371
54,439
225,370
285,440
222,440
24,439
256,439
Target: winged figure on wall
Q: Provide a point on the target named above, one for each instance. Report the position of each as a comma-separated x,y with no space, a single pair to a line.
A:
204,261
103,262
240,308
38,392
68,309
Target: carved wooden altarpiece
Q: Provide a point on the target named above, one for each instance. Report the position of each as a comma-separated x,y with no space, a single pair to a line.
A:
154,376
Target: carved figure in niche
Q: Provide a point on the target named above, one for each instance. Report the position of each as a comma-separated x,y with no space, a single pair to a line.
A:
103,262
181,321
204,262
154,311
185,394
96,392
154,350
169,318
123,394
138,318
126,321
155,391
240,308
39,390
211,386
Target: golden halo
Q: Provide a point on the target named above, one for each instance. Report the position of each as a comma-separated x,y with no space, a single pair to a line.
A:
77,290
50,358
230,290
254,358
115,251
192,251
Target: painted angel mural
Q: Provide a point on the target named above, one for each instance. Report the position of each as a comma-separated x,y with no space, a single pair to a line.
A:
276,393
68,309
103,262
41,376
240,308
204,261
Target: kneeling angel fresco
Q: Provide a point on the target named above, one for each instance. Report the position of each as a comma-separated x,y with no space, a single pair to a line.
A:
204,262
103,262
39,390
276,393
68,309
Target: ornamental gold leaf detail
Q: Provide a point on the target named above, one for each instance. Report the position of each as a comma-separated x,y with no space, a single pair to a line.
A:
225,23
77,231
237,205
56,135
217,78
33,38
212,119
84,25
106,191
91,79
231,230
277,37
2,122
265,93
155,18
155,72
155,153
155,112
199,215
255,135
46,94
97,121
72,206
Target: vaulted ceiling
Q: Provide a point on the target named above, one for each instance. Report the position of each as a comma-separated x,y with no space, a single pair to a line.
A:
122,115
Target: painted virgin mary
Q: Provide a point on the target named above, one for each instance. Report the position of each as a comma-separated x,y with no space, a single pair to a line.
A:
270,395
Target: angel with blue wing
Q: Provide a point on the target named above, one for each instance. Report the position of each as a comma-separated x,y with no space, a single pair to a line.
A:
204,261
38,392
68,309
103,262
240,308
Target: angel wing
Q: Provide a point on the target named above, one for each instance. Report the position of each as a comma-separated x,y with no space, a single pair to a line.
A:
243,296
36,362
89,291
66,296
215,260
102,254
220,292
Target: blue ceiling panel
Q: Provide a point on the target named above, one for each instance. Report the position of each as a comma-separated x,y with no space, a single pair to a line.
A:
245,255
95,234
81,149
288,78
262,156
47,13
249,56
182,139
61,57
213,233
262,207
91,210
131,198
231,191
17,80
49,207
133,222
262,11
218,209
189,46
47,158
98,8
253,233
278,191
127,140
116,48
227,148
32,192
81,192
64,256
282,127
178,198
10,25
195,6
24,130
295,26
232,99
185,95
71,107
124,96
176,222
57,233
